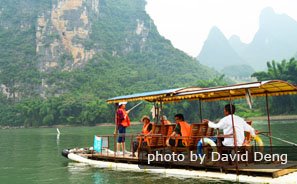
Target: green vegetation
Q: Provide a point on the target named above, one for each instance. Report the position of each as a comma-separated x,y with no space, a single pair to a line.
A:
82,109
126,62
284,70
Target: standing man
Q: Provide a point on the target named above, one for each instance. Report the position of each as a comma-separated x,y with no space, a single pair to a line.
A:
226,125
122,122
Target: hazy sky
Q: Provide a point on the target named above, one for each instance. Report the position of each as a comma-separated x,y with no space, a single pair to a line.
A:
187,22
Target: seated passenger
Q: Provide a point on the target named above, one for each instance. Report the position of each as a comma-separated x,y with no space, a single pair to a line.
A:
225,124
182,129
146,130
165,121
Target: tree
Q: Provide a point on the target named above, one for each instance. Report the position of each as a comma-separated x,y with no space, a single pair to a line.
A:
286,71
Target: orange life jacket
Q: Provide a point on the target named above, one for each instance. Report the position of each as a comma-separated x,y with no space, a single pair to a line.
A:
185,129
145,128
126,120
144,131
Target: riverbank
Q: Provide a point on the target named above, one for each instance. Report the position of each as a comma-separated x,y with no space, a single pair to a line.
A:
259,118
112,124
274,118
63,126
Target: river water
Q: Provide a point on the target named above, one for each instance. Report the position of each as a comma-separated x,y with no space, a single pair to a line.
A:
34,156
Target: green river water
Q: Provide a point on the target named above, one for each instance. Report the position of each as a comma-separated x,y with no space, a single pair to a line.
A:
34,156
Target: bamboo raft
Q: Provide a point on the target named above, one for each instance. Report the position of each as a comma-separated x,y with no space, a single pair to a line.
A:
280,174
262,172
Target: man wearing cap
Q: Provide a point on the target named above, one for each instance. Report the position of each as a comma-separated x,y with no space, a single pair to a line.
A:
122,121
146,130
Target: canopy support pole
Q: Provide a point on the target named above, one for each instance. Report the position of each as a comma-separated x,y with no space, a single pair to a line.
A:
161,111
200,110
157,110
115,128
234,134
268,120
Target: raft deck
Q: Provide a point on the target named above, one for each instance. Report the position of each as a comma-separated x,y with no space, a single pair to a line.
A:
244,168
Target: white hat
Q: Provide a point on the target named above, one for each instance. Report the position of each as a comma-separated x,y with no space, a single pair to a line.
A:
122,103
145,117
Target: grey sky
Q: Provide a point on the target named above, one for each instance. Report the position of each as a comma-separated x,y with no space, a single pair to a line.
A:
187,22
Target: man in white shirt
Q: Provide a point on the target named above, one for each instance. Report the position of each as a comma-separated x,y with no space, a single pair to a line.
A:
226,124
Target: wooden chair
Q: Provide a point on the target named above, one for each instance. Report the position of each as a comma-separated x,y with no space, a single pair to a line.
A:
246,147
154,140
207,149
210,132
157,139
197,131
168,130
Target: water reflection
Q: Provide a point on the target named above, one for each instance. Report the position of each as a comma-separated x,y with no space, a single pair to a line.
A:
34,155
98,179
76,168
86,174
58,139
58,136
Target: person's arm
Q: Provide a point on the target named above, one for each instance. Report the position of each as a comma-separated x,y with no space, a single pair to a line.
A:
120,114
249,128
172,135
220,125
175,132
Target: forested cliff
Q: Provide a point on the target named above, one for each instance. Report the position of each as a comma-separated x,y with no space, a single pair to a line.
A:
61,59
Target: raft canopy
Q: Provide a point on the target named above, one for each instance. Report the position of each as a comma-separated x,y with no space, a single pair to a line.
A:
270,88
147,96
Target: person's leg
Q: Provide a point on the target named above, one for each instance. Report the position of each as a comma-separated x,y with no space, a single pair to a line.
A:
118,146
180,143
123,139
134,147
123,147
120,138
172,142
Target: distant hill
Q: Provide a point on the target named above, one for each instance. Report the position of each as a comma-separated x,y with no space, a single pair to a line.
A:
217,52
237,45
238,71
275,40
